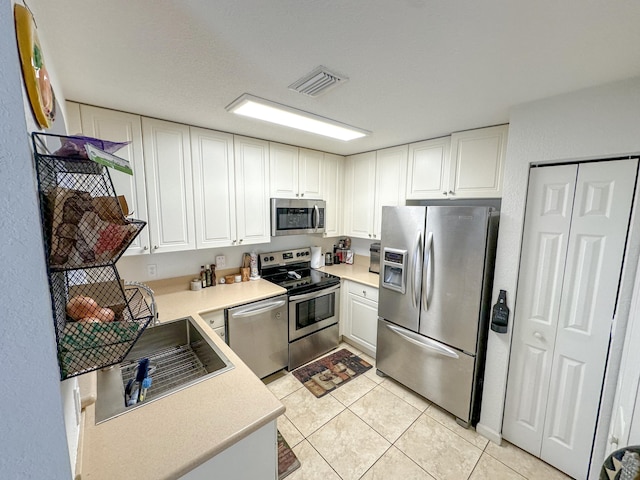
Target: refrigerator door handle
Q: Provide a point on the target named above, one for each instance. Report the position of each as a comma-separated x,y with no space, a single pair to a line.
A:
423,341
417,255
427,272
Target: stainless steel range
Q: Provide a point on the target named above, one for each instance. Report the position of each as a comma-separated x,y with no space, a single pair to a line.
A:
314,301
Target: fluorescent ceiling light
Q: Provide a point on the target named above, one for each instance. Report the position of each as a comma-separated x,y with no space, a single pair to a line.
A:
262,109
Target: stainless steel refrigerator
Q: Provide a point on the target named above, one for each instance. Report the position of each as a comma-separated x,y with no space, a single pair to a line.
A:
436,273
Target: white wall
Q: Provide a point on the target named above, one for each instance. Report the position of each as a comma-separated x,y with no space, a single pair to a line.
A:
33,441
589,124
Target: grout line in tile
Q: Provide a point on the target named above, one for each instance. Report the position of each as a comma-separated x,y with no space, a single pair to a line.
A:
322,457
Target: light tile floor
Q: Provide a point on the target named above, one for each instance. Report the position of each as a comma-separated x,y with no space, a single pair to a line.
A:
373,428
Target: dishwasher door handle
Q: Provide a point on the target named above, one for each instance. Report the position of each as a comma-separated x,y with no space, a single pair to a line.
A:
250,312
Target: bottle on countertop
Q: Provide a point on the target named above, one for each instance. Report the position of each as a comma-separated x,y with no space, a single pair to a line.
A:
213,275
203,276
207,271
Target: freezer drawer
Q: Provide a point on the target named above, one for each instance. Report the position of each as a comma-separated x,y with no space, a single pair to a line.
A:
439,373
257,333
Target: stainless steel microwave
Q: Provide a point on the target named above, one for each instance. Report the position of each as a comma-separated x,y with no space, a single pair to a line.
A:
297,216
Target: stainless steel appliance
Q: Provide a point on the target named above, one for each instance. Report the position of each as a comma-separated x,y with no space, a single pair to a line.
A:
435,293
314,302
297,216
374,257
257,333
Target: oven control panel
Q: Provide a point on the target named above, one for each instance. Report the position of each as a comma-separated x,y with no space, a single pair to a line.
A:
285,257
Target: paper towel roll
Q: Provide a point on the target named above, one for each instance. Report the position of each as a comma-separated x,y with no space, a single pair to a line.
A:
316,257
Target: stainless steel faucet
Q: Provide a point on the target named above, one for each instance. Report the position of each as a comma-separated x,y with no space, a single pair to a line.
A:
152,307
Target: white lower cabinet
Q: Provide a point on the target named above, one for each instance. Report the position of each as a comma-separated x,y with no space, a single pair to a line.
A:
215,320
359,315
260,446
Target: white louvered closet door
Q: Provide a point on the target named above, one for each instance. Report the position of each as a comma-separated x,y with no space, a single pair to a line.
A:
556,373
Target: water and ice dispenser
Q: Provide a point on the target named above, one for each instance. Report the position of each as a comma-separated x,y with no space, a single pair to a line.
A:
394,269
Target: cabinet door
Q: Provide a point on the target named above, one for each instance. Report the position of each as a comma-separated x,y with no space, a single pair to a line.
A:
283,162
477,162
167,149
310,174
362,324
360,181
213,188
333,181
123,127
428,169
391,180
252,190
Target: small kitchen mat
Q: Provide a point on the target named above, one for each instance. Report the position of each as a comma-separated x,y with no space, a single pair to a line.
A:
287,460
330,372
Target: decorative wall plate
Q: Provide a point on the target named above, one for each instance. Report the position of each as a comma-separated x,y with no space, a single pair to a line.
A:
34,72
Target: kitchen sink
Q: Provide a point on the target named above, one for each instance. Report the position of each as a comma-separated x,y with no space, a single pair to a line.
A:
180,355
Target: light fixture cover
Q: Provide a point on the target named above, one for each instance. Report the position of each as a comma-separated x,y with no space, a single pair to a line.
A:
255,107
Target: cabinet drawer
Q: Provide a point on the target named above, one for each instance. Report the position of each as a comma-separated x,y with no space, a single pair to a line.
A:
362,290
214,319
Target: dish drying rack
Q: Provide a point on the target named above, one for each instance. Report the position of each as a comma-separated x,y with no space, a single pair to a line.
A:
85,232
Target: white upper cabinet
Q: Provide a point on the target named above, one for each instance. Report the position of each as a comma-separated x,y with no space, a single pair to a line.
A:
373,179
167,148
391,176
252,190
119,127
295,172
359,194
213,188
428,169
477,162
333,178
310,174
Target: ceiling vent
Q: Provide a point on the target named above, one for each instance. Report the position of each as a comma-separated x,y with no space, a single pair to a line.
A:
318,82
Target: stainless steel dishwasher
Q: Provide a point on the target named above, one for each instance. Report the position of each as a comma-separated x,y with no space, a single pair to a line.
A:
258,333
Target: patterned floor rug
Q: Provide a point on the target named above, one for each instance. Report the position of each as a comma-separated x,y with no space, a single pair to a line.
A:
287,460
330,372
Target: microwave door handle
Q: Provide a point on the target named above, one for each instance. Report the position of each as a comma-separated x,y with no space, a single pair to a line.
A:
316,216
317,293
249,312
423,342
417,256
426,288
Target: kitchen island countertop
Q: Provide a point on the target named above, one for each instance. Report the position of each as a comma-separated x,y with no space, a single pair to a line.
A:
173,435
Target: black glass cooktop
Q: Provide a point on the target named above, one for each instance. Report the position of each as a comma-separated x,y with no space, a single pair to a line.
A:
300,280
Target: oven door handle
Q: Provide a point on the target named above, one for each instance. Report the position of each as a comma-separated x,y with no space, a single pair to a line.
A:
249,312
318,293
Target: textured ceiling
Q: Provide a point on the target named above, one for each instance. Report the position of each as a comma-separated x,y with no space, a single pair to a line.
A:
418,69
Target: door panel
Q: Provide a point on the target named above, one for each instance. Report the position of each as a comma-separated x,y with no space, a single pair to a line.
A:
403,229
544,246
431,368
452,283
603,201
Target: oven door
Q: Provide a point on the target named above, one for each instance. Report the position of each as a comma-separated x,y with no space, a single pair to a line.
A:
310,312
296,217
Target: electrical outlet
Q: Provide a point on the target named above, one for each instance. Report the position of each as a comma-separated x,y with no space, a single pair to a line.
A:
152,270
221,261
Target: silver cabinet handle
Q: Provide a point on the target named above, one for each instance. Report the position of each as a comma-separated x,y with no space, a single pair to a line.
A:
233,242
146,247
318,293
249,312
538,335
427,269
240,241
423,342
451,192
297,194
155,247
444,193
302,194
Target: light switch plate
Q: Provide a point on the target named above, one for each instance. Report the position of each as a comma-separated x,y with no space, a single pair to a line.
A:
221,261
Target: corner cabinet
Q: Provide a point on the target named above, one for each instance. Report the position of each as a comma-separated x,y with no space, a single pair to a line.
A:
373,178
252,190
333,178
167,148
359,315
477,162
295,172
119,127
